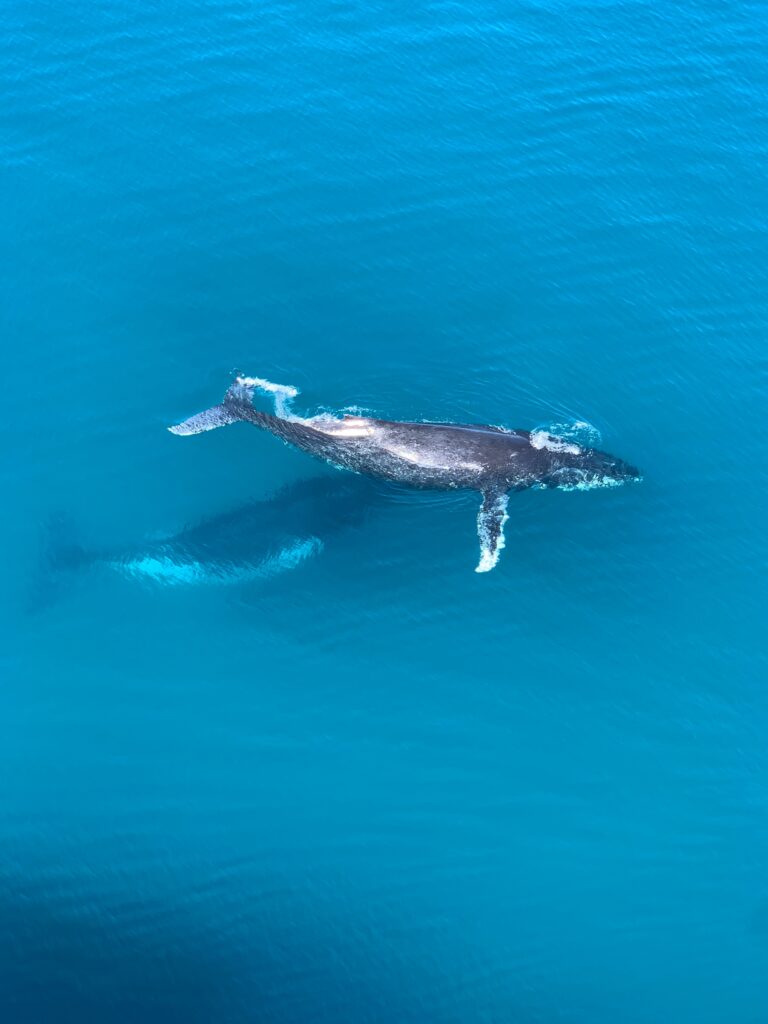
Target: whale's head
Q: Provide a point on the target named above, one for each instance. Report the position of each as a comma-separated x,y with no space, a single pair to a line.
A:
571,467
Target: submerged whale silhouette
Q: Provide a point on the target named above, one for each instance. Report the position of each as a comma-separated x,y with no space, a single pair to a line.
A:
441,456
256,541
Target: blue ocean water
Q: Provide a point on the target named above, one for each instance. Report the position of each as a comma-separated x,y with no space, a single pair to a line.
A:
357,781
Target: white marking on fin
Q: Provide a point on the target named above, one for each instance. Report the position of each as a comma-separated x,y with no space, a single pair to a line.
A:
490,528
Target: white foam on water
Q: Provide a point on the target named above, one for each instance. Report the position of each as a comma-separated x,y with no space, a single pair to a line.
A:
592,484
350,424
579,432
267,385
543,439
284,394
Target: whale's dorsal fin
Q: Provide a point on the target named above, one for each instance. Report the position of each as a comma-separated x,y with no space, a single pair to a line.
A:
490,527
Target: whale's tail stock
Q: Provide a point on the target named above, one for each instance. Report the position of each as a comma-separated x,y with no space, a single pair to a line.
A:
237,405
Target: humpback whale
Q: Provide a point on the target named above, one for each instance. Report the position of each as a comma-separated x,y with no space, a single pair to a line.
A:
443,456
252,542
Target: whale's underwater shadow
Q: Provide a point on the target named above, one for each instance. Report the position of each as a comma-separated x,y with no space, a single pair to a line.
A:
165,961
254,542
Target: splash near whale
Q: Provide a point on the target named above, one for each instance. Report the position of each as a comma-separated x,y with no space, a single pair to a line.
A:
439,456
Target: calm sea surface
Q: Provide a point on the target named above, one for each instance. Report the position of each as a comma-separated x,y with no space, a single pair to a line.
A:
302,764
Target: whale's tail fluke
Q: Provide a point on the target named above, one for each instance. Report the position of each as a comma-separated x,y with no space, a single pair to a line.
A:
209,419
61,555
236,406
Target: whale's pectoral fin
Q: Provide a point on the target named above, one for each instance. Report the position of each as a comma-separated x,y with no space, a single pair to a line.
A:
490,528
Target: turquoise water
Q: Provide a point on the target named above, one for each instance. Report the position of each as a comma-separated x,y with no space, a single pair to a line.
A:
355,781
